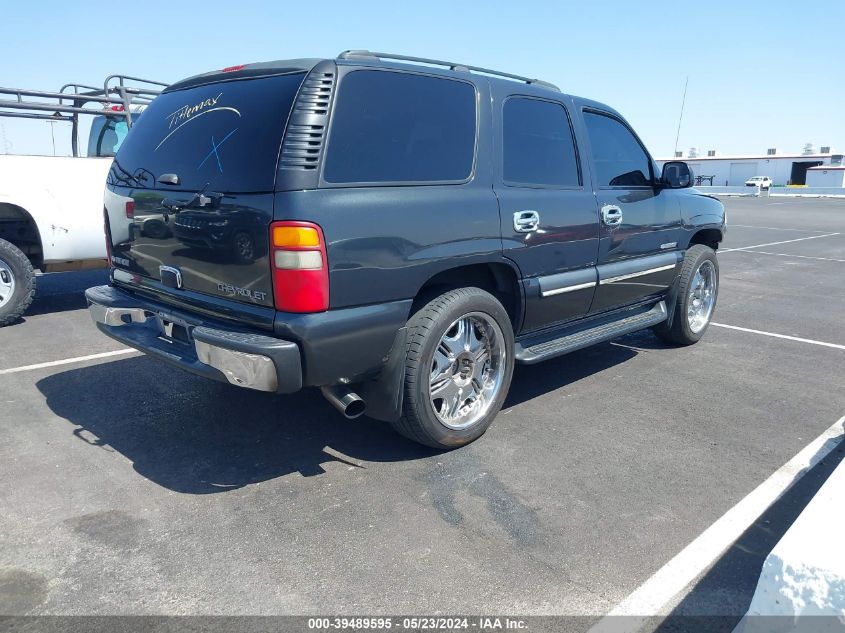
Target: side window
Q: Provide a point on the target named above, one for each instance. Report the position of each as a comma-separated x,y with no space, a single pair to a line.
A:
619,158
537,144
399,127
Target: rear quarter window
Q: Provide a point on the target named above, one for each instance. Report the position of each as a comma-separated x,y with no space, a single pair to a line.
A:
401,127
224,136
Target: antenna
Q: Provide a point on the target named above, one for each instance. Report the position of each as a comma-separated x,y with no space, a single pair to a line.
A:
681,118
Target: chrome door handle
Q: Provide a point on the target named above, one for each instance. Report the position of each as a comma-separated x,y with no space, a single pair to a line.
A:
526,221
611,215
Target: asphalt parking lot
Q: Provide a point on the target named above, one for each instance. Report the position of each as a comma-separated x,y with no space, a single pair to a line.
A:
130,487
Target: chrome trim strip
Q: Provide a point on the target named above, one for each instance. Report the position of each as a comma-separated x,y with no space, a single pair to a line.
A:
668,245
558,291
610,280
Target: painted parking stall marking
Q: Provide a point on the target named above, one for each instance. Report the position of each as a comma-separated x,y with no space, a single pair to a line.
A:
799,239
68,361
652,596
821,259
774,228
781,336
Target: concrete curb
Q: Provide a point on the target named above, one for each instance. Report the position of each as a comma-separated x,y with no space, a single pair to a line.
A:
807,192
780,192
807,195
804,575
716,190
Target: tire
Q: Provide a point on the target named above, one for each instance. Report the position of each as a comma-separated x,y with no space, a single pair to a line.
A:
480,374
685,330
17,283
155,229
243,246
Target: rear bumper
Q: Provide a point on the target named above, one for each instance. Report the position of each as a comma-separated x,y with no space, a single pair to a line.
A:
244,359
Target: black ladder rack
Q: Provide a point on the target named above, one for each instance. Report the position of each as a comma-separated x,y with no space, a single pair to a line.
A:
362,54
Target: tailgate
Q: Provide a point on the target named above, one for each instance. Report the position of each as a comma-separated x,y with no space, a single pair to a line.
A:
220,250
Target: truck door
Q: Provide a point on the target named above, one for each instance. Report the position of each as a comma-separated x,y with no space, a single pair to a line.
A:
640,224
548,213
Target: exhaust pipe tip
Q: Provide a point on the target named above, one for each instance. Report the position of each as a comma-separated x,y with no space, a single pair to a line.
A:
349,403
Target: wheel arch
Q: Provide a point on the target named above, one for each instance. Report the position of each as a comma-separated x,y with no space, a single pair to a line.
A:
709,236
499,278
18,227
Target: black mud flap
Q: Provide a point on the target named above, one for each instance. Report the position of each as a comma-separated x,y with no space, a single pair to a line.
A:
384,394
672,300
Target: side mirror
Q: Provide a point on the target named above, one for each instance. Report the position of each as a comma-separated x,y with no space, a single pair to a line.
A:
676,175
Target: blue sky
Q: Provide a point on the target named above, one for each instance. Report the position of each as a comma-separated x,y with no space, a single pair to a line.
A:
762,74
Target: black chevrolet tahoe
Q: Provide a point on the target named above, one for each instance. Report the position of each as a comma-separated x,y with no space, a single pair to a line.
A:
397,232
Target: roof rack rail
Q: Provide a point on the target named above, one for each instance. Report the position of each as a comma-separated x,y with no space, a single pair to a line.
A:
364,54
74,99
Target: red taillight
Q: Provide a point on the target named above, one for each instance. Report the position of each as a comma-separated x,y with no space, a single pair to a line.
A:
116,108
107,231
300,267
231,69
130,210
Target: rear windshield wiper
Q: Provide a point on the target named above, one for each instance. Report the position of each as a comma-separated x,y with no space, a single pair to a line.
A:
198,201
125,177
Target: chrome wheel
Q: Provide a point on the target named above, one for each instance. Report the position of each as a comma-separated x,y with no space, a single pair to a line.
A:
7,283
702,297
467,370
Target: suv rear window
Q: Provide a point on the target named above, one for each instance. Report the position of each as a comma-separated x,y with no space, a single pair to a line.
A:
400,127
224,135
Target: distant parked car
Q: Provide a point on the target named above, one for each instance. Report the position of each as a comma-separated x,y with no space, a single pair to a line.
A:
764,182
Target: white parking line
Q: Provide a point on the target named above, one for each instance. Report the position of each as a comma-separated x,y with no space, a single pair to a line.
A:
774,228
68,361
800,239
783,336
655,594
824,259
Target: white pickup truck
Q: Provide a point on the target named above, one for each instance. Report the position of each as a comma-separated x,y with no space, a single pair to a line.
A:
51,207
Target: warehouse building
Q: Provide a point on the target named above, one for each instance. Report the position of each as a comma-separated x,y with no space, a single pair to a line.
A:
782,168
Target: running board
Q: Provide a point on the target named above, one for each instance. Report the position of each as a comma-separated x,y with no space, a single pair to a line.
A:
585,338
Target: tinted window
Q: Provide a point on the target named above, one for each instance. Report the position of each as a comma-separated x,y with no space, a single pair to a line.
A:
226,135
107,134
537,144
393,127
619,158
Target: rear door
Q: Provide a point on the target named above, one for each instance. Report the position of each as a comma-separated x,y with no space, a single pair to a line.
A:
190,193
548,216
640,224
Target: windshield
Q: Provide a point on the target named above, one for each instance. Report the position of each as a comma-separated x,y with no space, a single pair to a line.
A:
223,136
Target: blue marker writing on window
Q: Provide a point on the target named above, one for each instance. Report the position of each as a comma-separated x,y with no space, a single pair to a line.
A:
214,147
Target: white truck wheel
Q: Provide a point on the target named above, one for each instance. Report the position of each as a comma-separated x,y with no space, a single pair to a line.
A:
17,283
